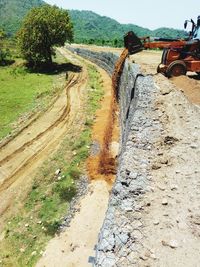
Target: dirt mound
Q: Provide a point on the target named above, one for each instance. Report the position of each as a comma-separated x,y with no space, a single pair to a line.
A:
190,86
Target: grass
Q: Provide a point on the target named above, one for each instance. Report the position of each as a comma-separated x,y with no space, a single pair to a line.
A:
48,200
22,91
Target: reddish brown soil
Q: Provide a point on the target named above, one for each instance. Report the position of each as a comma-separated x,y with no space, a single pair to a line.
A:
105,131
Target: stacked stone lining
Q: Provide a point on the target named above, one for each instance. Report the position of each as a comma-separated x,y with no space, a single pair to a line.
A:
121,236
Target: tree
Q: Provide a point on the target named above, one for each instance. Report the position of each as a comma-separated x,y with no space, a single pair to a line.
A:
4,52
43,29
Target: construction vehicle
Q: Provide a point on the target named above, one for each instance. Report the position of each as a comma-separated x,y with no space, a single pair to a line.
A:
178,57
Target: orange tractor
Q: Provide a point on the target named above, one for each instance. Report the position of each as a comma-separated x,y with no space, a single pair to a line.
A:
178,57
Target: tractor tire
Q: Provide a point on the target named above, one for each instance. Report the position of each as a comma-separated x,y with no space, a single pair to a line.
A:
176,68
158,68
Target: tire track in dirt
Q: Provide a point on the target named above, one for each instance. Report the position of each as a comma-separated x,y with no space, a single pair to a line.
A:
30,142
21,156
73,246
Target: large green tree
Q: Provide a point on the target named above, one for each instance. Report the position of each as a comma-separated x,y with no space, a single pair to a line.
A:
42,30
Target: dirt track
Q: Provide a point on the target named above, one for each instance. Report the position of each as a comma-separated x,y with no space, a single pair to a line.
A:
74,246
20,157
171,219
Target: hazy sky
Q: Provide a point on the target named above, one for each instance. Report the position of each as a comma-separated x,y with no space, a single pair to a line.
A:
150,14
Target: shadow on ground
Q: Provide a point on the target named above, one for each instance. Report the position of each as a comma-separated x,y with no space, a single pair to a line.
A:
55,68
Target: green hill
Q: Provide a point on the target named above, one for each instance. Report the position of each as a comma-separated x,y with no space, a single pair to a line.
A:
13,11
88,26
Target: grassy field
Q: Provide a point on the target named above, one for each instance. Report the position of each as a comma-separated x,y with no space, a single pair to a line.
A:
22,91
27,233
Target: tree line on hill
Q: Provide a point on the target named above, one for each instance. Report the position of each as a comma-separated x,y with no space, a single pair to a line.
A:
46,26
89,27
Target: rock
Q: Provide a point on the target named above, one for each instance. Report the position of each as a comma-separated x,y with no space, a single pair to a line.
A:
153,256
194,146
161,187
133,175
196,219
143,257
172,243
156,166
164,160
173,187
109,262
156,222
26,225
124,238
127,205
57,172
165,90
59,178
164,202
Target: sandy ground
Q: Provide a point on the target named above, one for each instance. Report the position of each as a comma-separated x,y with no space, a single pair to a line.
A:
74,246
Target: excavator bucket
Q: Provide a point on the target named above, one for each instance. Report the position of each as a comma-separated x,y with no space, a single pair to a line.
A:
132,43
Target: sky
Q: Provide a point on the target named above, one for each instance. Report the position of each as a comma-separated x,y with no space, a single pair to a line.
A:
150,14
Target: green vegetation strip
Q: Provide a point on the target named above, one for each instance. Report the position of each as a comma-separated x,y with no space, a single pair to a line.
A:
22,91
47,203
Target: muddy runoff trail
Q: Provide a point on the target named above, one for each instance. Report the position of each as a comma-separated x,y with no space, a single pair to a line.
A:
74,246
21,156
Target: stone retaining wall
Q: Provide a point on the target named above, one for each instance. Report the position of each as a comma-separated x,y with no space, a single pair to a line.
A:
121,236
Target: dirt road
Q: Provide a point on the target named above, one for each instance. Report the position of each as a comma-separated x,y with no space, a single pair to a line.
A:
21,156
74,246
171,221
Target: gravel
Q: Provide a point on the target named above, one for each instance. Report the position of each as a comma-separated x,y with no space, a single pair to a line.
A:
121,236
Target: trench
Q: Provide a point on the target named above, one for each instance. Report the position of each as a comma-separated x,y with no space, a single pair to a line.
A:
120,229
75,245
121,234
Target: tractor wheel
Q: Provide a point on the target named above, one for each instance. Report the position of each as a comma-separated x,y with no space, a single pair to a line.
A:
176,68
158,68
